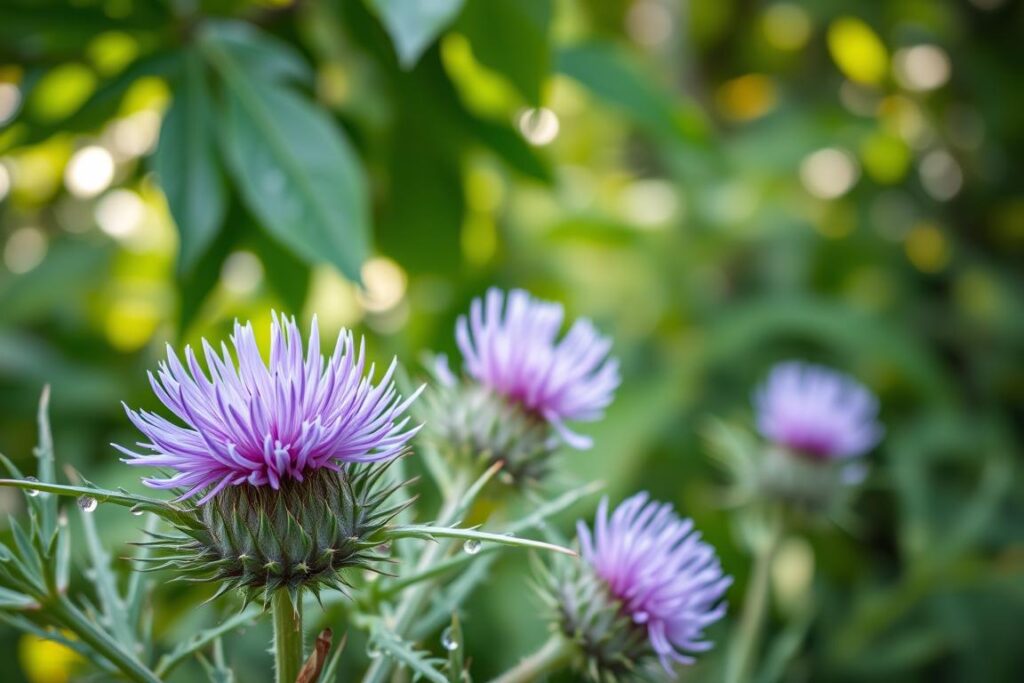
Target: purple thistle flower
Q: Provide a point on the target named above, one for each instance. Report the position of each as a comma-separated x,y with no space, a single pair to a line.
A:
817,411
510,344
665,577
261,424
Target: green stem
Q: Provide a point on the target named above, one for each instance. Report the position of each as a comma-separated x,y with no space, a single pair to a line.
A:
416,597
755,605
552,656
102,642
287,637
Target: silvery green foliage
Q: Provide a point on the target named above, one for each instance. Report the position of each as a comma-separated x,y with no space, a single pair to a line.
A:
258,547
479,426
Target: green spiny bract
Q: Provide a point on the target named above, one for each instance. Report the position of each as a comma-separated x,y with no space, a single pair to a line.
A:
477,425
302,535
585,612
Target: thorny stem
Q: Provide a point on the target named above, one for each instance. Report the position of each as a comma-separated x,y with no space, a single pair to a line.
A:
552,656
102,642
287,636
748,635
415,597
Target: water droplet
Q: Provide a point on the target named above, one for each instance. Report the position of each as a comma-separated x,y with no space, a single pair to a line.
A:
447,641
506,478
87,503
372,651
31,492
137,511
471,546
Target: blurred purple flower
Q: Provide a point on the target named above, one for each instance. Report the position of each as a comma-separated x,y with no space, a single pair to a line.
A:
258,424
666,578
817,411
510,344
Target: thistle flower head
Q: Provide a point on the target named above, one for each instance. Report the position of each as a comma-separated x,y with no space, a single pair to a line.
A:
667,580
510,343
287,459
261,424
646,590
817,411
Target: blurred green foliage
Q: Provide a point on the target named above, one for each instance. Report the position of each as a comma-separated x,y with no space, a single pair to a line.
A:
719,183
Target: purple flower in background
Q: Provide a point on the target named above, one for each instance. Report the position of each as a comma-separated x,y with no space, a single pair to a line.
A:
666,578
258,424
510,343
815,410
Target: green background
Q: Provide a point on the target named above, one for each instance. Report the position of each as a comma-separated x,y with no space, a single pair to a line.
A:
719,184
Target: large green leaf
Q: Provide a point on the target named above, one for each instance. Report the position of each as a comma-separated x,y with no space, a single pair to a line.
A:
293,167
186,167
260,52
414,24
511,37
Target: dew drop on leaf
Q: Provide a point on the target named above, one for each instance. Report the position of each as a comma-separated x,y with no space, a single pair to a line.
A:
87,503
471,546
32,493
447,641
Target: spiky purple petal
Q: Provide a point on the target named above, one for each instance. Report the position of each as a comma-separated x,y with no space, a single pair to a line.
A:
817,411
261,423
655,564
511,344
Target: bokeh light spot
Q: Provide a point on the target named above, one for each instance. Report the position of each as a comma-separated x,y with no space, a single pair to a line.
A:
829,173
120,213
922,67
747,97
650,22
89,172
539,126
24,250
927,248
385,284
786,26
242,273
857,50
941,175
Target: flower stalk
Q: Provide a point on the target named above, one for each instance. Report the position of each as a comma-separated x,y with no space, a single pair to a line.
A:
747,639
554,655
287,636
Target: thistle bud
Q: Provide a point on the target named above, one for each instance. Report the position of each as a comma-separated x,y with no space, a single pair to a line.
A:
286,460
522,383
644,593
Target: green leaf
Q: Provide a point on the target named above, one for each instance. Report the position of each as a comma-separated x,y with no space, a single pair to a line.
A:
294,168
105,583
103,104
614,77
512,148
259,52
414,24
454,643
286,274
418,661
421,220
431,532
511,37
200,640
186,168
168,511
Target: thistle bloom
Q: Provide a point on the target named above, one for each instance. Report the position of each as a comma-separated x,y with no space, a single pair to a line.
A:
666,579
263,425
510,344
817,411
